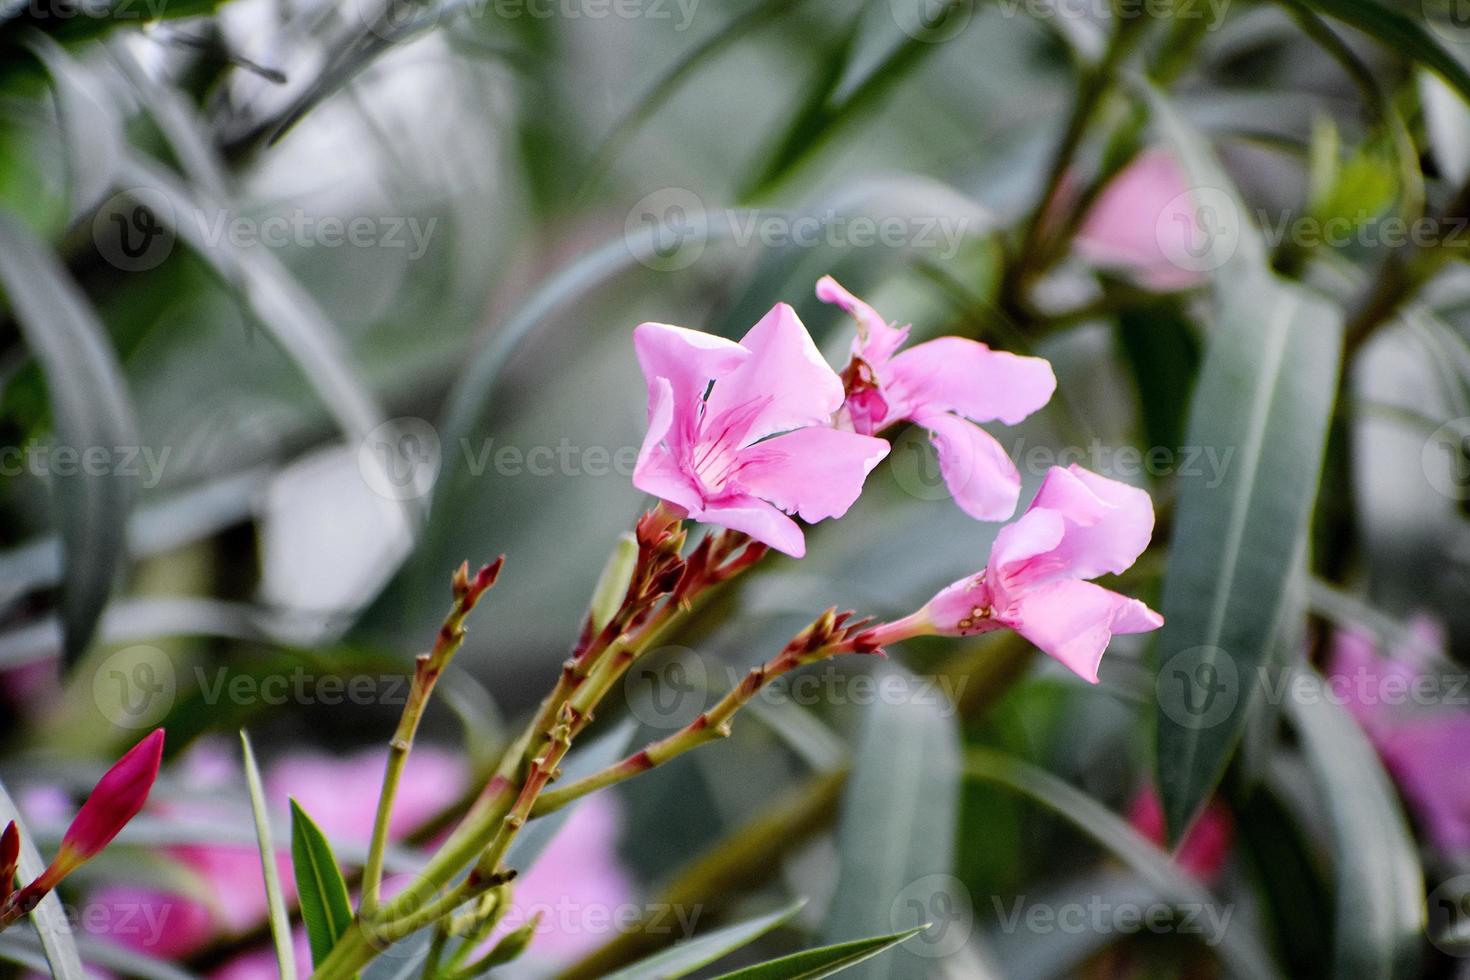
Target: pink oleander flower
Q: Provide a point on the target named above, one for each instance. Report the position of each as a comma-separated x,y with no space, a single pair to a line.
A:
117,798
1422,746
1145,223
1205,848
945,385
739,433
1079,526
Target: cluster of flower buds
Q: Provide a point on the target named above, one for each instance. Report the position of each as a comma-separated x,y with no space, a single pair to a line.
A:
117,798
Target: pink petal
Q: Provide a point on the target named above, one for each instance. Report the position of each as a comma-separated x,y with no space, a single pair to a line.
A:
657,472
160,923
1140,220
876,339
690,359
979,474
760,520
1073,622
961,608
813,472
1428,760
1028,538
784,376
1109,524
953,374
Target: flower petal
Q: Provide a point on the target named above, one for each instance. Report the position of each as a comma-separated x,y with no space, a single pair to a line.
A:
979,474
760,520
690,359
954,374
1073,622
657,472
785,375
1109,523
813,472
877,339
1144,222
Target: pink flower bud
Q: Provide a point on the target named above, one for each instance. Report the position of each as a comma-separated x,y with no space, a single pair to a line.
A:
117,798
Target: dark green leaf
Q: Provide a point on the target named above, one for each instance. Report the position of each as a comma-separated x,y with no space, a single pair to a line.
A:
319,886
1379,925
1265,397
825,961
700,951
91,412
895,839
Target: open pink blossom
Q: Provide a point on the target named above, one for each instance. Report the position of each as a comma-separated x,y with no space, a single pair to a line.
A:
1144,223
738,433
945,385
1079,526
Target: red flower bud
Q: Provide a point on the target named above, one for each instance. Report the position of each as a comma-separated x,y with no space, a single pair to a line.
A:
117,798
9,858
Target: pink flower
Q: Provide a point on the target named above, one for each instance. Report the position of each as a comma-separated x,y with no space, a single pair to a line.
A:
715,409
1079,526
944,385
1204,849
1145,223
1422,748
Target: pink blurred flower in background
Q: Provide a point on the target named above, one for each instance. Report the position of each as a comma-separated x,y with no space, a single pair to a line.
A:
738,434
1205,848
1147,224
1423,742
579,869
1079,526
947,386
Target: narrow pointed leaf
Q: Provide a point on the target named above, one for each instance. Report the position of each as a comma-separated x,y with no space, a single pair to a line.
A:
1237,950
280,922
93,132
700,951
1400,33
825,961
1379,885
91,411
895,838
325,907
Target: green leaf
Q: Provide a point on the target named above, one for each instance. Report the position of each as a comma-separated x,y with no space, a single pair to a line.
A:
1237,950
279,920
895,838
1265,396
91,412
825,961
319,886
1380,918
1400,33
48,917
700,951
